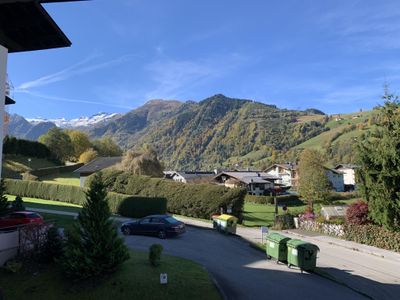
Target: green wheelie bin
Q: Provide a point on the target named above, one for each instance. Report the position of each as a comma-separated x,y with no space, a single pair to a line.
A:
276,246
302,255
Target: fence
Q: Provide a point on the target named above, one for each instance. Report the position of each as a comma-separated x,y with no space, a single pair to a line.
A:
22,240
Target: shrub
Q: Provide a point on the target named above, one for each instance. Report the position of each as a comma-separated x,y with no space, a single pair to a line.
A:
282,199
155,254
126,205
357,213
194,200
53,247
137,206
373,235
29,176
13,266
18,204
3,198
284,222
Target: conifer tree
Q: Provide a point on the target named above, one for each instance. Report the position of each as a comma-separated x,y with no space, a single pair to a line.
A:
379,161
93,246
3,198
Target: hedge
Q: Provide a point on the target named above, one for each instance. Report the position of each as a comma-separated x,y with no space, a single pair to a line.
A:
373,235
55,170
194,200
282,199
125,205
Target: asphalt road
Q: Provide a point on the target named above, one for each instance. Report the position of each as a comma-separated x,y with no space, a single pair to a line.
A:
243,272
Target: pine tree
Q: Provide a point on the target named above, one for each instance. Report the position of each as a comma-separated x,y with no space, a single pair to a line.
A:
379,160
93,245
313,181
3,198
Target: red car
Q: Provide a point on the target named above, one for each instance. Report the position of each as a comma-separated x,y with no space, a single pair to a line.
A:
20,218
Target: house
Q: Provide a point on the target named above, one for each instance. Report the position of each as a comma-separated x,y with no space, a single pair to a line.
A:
96,165
349,176
24,26
192,176
336,179
286,172
289,176
256,183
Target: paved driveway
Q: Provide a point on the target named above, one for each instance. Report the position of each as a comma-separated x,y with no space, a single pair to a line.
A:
243,272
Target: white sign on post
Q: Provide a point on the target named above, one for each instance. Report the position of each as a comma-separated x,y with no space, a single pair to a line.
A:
163,278
264,231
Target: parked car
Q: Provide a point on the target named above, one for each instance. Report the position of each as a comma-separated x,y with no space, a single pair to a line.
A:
20,218
158,225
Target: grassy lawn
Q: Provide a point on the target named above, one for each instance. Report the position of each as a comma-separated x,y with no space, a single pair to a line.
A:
264,214
136,279
63,178
48,204
60,220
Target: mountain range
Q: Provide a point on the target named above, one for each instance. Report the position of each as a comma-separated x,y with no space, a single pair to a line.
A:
217,131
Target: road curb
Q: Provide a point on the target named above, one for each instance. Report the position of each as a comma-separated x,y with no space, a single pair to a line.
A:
216,284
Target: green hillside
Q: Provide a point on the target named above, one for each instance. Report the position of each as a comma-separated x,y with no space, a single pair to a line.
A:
213,132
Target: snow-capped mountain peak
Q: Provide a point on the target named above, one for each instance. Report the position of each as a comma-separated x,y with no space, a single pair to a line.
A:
78,122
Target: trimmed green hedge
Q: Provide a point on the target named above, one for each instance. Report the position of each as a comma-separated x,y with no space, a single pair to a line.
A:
47,191
283,199
194,200
136,206
373,235
125,205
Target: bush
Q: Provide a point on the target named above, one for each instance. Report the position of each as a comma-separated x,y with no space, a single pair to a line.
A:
126,205
194,200
373,235
357,213
136,206
18,204
53,247
282,199
29,176
336,196
155,254
284,222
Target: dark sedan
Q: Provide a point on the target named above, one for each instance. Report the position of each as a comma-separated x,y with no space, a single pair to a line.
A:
158,225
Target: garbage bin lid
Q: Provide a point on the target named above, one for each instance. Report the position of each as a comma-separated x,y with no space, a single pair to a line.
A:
227,217
278,238
302,244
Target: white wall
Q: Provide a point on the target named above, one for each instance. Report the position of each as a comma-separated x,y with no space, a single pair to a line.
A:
3,78
82,180
8,245
336,180
285,175
349,176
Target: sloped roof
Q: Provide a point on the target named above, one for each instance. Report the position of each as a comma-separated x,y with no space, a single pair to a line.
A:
284,166
25,26
99,164
260,177
9,101
189,176
346,166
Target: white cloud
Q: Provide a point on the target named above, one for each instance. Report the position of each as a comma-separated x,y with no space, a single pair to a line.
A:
79,68
173,77
72,100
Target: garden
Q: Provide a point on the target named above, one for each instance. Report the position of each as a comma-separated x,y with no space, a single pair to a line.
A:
91,261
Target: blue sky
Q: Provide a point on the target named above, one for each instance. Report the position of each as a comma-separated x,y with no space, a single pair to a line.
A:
333,55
